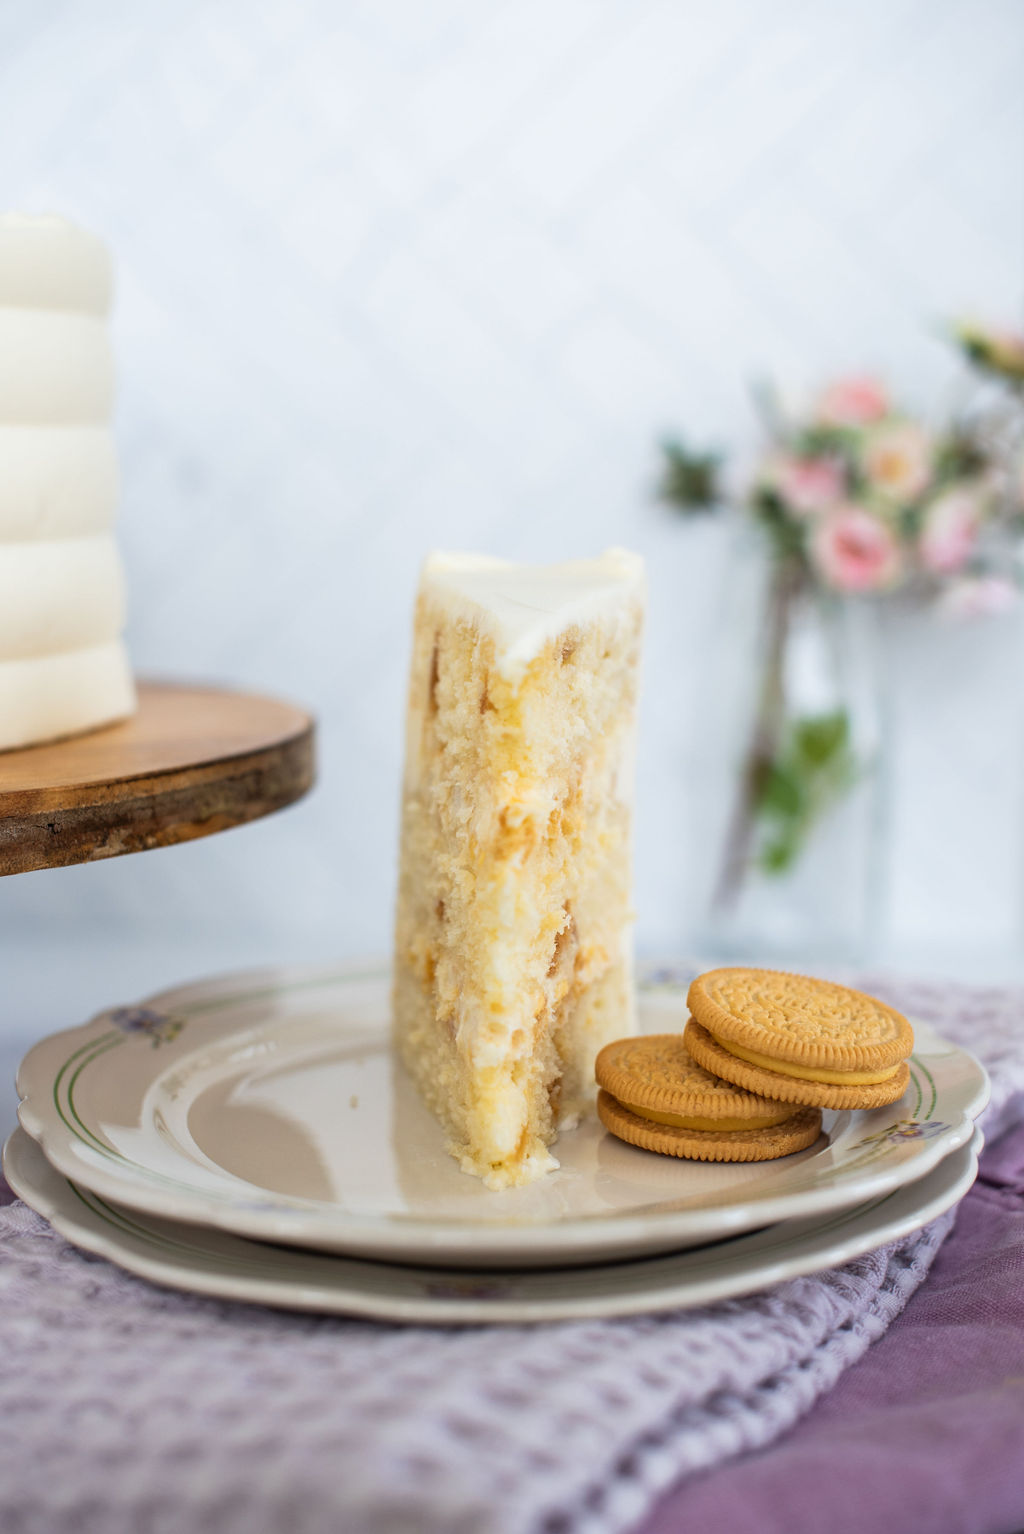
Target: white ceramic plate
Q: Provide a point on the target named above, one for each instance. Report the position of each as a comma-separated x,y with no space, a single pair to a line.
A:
271,1105
212,1262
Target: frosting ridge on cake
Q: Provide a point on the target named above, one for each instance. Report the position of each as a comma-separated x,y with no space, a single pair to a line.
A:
63,668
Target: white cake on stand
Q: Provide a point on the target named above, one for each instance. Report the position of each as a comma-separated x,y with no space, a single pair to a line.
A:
63,667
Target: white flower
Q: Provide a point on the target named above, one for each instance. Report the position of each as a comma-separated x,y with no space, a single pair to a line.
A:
897,461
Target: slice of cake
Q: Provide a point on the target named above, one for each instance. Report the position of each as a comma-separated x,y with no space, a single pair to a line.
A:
513,944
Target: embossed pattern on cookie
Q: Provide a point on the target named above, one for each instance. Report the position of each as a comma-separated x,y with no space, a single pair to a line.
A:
800,1020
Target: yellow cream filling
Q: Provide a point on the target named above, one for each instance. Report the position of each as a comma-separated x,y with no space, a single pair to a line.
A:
683,1121
808,1072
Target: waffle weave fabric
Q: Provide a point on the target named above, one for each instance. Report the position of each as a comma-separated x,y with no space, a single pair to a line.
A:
124,1407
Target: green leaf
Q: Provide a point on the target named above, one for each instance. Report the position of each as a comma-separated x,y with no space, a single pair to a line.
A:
786,533
689,479
782,791
819,438
820,738
777,857
960,454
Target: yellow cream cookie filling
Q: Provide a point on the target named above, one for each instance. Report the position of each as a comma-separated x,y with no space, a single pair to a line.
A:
808,1072
683,1121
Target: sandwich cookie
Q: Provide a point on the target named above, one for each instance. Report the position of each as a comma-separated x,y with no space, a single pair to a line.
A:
798,1040
654,1095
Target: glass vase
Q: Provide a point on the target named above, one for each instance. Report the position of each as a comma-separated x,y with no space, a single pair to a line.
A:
793,836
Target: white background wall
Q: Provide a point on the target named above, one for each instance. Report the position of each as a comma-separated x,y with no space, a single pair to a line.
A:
396,274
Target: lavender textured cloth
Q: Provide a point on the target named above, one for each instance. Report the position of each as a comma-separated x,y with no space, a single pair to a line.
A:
925,1434
126,1408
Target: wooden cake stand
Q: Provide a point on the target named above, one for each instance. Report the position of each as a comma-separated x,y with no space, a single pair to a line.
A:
190,762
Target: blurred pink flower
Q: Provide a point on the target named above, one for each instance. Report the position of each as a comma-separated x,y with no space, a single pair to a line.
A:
807,485
853,402
950,529
897,460
855,551
982,596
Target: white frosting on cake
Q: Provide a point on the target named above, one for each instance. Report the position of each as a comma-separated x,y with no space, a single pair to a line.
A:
56,695
56,481
48,263
63,668
58,595
522,607
54,367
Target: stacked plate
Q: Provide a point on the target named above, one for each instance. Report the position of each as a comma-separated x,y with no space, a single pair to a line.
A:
252,1138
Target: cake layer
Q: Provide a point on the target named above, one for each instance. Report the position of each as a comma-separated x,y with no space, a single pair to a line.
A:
54,367
49,263
56,481
59,595
513,946
522,607
57,695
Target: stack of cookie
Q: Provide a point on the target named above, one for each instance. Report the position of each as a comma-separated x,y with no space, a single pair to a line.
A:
761,1055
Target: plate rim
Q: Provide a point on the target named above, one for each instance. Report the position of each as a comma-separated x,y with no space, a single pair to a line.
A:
858,1229
392,1235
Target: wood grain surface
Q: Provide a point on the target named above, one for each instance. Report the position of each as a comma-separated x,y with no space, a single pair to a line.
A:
192,761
